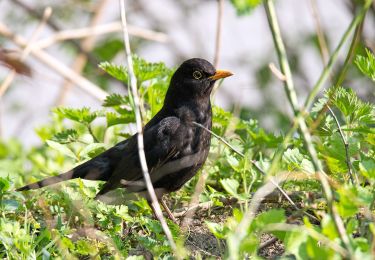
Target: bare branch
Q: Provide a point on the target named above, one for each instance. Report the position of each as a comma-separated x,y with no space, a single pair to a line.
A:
101,29
219,25
26,51
87,45
319,32
276,71
142,157
56,65
53,25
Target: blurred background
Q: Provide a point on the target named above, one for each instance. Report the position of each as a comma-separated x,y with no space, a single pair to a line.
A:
55,48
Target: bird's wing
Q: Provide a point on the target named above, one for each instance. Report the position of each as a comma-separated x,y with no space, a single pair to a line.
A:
162,141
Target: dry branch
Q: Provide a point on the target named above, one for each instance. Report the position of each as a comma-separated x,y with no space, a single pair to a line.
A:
97,30
142,157
56,65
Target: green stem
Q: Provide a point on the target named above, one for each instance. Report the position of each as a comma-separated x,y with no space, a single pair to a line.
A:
92,133
327,70
290,91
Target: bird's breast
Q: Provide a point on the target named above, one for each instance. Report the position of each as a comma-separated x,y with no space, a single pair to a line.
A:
195,139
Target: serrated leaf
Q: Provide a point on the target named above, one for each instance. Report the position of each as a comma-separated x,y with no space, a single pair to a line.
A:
296,160
117,71
318,105
66,136
366,64
116,119
355,110
63,149
115,99
148,70
81,115
143,70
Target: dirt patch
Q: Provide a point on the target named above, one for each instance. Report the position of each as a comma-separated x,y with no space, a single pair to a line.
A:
200,241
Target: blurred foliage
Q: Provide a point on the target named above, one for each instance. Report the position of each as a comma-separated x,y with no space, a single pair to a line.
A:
244,7
64,221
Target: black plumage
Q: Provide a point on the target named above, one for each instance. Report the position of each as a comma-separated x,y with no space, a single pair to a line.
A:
175,148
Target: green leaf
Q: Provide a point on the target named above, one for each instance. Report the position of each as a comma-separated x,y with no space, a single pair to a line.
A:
231,186
63,149
220,231
148,70
294,243
296,160
143,70
114,100
269,217
92,150
244,7
367,168
66,136
116,119
329,228
355,110
117,71
81,115
4,184
366,64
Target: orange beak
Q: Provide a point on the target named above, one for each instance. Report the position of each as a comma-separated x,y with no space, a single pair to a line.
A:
220,74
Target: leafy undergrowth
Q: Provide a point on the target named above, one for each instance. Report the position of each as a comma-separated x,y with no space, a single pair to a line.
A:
64,221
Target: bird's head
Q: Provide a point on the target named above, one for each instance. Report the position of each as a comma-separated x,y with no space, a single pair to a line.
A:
194,78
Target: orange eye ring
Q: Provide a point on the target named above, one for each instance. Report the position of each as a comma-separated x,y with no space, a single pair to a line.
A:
197,74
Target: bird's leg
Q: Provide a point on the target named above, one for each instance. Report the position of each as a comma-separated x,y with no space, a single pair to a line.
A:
167,210
169,213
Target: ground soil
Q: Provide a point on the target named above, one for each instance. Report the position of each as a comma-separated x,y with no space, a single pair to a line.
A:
200,241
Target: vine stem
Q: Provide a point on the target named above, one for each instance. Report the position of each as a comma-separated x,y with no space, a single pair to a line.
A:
142,157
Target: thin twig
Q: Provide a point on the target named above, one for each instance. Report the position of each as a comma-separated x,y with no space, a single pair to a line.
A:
219,25
290,91
56,65
26,51
141,152
80,61
267,243
54,26
346,144
101,29
276,71
319,32
351,53
11,75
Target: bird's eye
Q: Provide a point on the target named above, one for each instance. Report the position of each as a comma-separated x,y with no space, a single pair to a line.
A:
197,74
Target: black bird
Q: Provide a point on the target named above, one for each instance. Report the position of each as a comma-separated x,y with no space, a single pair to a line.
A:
175,147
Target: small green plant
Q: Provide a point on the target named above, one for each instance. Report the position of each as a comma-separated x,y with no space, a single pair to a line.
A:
65,221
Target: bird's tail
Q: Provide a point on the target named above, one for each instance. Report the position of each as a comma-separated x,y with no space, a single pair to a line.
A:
49,181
